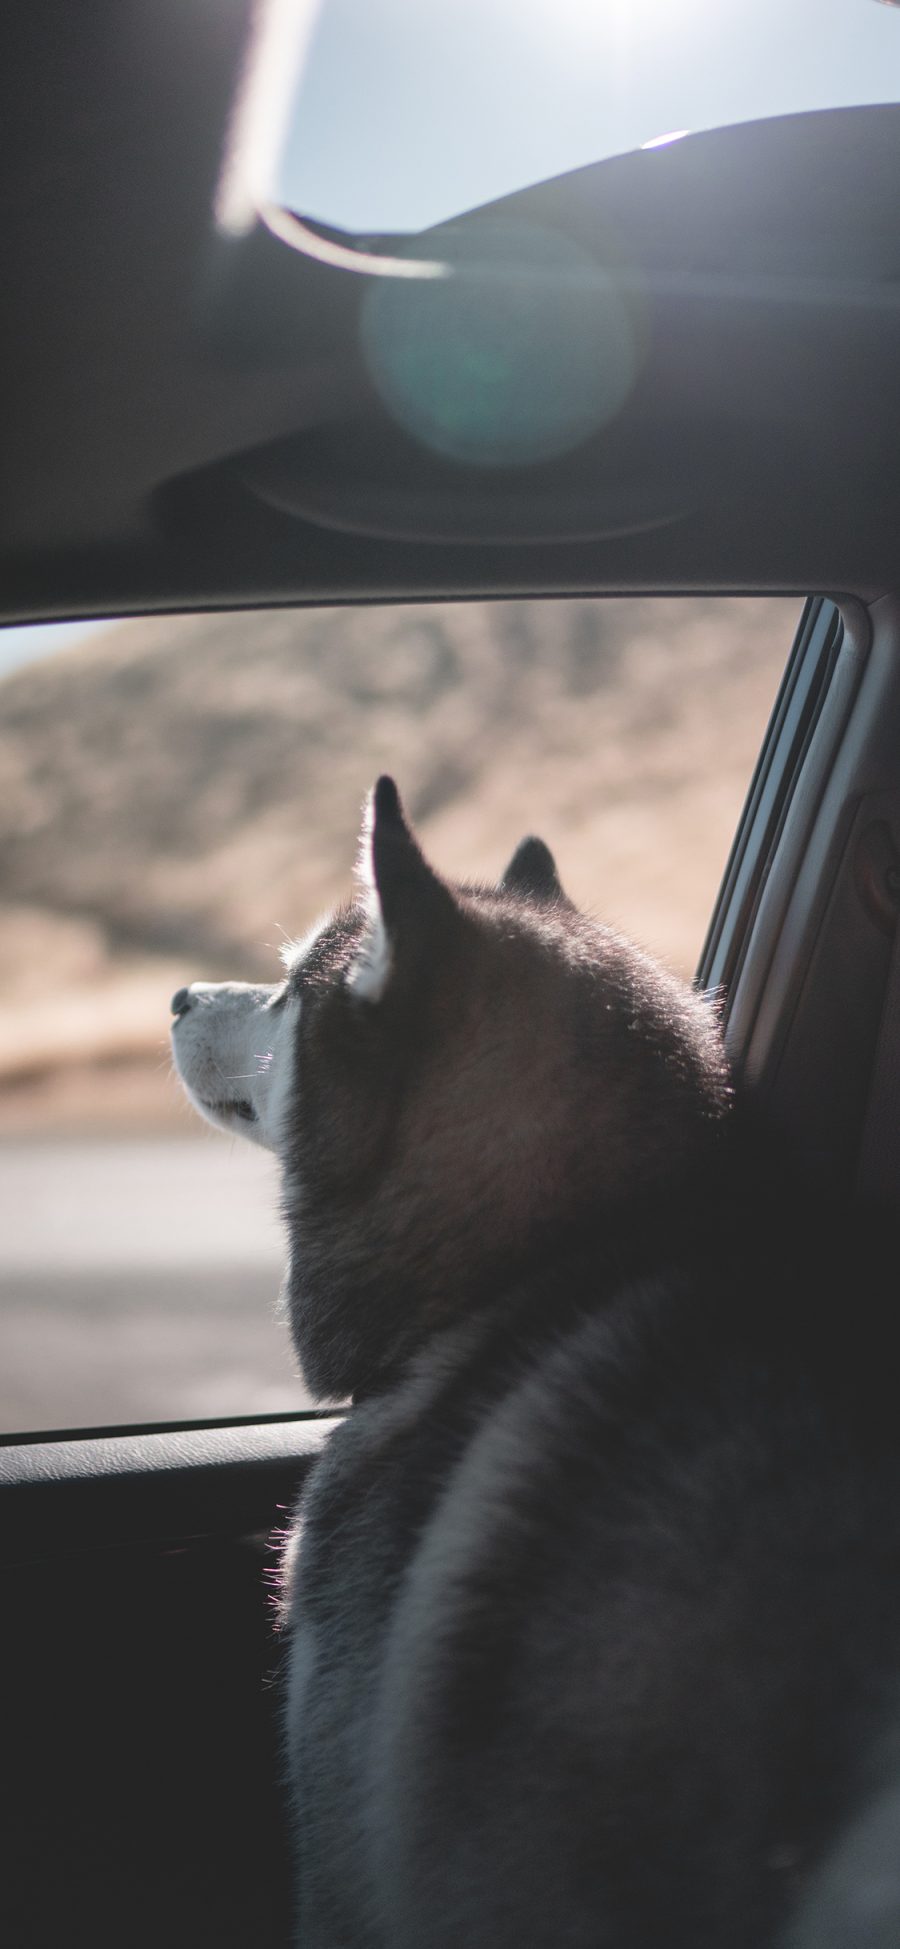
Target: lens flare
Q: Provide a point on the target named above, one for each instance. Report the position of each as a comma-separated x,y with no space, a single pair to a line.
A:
523,351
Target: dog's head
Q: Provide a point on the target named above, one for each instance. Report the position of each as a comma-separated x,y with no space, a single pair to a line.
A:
456,1080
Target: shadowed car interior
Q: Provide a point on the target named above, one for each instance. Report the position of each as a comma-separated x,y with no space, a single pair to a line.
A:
706,401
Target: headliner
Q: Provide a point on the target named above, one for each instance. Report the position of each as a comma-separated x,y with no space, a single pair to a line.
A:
158,453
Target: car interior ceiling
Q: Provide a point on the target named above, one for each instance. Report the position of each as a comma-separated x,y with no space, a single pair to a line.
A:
188,423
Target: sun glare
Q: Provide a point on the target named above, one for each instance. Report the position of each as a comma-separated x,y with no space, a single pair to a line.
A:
662,141
380,116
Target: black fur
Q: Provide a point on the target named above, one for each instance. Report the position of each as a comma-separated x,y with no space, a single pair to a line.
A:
532,871
594,1620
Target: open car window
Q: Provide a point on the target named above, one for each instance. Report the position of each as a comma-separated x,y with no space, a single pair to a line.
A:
179,797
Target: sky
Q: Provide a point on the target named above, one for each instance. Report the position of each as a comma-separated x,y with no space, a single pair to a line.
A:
411,111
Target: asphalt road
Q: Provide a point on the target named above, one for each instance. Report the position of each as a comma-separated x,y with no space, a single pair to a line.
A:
139,1282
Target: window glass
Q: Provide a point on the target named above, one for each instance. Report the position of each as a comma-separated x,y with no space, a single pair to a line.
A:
178,796
387,115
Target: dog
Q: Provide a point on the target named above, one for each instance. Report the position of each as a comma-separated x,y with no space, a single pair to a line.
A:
593,1597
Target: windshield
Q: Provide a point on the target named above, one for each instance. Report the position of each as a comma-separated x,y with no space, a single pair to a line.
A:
405,114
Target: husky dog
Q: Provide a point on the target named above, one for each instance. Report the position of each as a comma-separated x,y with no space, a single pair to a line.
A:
594,1598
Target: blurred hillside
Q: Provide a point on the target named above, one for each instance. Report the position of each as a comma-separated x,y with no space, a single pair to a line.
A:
177,794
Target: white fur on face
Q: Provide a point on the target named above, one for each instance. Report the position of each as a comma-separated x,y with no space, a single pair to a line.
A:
234,1053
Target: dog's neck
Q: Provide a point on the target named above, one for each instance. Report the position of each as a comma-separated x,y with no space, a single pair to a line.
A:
569,1274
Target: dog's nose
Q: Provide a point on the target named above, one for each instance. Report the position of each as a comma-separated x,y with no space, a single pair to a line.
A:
181,1001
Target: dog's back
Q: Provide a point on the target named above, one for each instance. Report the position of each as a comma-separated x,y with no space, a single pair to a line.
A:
597,1627
593,1604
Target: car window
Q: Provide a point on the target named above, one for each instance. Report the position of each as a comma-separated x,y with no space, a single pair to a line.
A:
540,89
178,796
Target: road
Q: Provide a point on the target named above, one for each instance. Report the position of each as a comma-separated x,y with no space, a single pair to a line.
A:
139,1282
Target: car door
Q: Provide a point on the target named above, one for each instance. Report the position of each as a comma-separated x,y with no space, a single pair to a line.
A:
141,1664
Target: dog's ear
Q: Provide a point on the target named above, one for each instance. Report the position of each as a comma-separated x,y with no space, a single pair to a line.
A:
407,903
532,872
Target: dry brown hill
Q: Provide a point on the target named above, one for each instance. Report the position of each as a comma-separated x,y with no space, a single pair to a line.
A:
175,793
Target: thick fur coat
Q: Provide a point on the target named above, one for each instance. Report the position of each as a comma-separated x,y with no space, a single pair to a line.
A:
593,1600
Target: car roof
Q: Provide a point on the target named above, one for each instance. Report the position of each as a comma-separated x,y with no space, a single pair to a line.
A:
190,422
